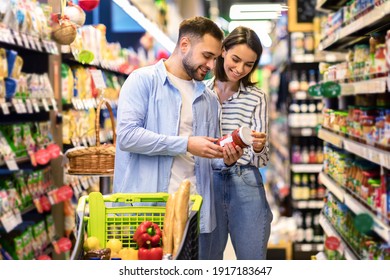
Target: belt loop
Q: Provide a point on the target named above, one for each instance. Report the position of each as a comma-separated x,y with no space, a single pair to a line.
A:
238,170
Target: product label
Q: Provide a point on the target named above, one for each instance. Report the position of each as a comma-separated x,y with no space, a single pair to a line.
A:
227,139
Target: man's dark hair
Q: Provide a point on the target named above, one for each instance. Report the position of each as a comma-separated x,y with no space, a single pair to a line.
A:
197,27
240,35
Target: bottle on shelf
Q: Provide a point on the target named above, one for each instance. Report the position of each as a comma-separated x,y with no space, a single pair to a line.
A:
309,231
312,77
293,85
305,189
303,83
296,153
296,190
305,154
313,186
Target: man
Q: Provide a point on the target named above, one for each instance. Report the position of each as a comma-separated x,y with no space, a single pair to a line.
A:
167,120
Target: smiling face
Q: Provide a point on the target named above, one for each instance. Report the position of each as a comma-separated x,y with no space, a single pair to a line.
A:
238,61
199,55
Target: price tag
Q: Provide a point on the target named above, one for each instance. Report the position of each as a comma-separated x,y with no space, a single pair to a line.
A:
85,142
11,164
10,38
15,103
22,106
45,104
2,39
25,40
31,42
29,106
35,105
5,108
54,103
9,221
54,49
18,39
84,182
98,79
80,104
38,43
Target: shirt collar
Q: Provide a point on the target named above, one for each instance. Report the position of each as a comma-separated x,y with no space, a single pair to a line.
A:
163,75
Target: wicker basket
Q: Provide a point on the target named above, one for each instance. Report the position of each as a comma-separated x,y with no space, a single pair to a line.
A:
97,160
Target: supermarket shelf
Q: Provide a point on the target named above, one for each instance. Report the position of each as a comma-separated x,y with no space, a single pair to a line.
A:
380,227
374,20
330,5
368,152
308,204
373,86
308,247
303,131
331,137
318,57
27,42
331,231
332,186
306,168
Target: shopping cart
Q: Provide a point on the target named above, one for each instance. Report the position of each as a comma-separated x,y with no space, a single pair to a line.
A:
118,216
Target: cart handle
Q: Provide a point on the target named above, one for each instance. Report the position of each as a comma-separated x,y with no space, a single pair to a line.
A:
80,210
137,197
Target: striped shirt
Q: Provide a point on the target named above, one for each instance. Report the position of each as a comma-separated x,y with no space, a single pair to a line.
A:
247,107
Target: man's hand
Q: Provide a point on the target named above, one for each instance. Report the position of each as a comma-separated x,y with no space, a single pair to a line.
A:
231,153
204,146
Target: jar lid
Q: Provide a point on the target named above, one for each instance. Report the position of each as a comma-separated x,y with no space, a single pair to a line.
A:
245,135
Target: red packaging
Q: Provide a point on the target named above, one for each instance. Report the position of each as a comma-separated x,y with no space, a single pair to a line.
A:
241,137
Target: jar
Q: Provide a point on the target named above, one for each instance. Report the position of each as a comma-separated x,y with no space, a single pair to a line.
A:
241,137
343,122
380,59
356,131
379,129
368,128
386,139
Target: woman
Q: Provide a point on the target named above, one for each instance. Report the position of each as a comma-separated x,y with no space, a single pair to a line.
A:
239,195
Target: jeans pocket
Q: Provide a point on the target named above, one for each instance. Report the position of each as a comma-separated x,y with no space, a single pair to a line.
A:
252,177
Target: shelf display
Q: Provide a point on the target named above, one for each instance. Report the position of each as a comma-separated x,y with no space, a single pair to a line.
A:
353,128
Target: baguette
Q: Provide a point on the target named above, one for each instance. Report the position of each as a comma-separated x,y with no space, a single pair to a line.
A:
181,214
167,237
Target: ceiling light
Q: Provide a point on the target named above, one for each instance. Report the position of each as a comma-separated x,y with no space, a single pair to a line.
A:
256,11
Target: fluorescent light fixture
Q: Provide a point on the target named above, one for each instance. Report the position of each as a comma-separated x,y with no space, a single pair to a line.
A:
262,28
148,25
256,11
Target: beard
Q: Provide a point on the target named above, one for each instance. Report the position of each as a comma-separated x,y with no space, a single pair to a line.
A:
191,69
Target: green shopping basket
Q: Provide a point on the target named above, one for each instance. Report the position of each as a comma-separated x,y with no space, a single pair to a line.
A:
118,216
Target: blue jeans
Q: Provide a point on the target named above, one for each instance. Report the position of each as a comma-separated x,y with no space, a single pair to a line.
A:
242,211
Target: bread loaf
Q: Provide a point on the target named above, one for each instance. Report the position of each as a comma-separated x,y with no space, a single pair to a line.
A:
182,197
167,237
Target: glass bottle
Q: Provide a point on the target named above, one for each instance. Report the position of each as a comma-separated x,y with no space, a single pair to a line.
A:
303,84
312,78
305,187
293,85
